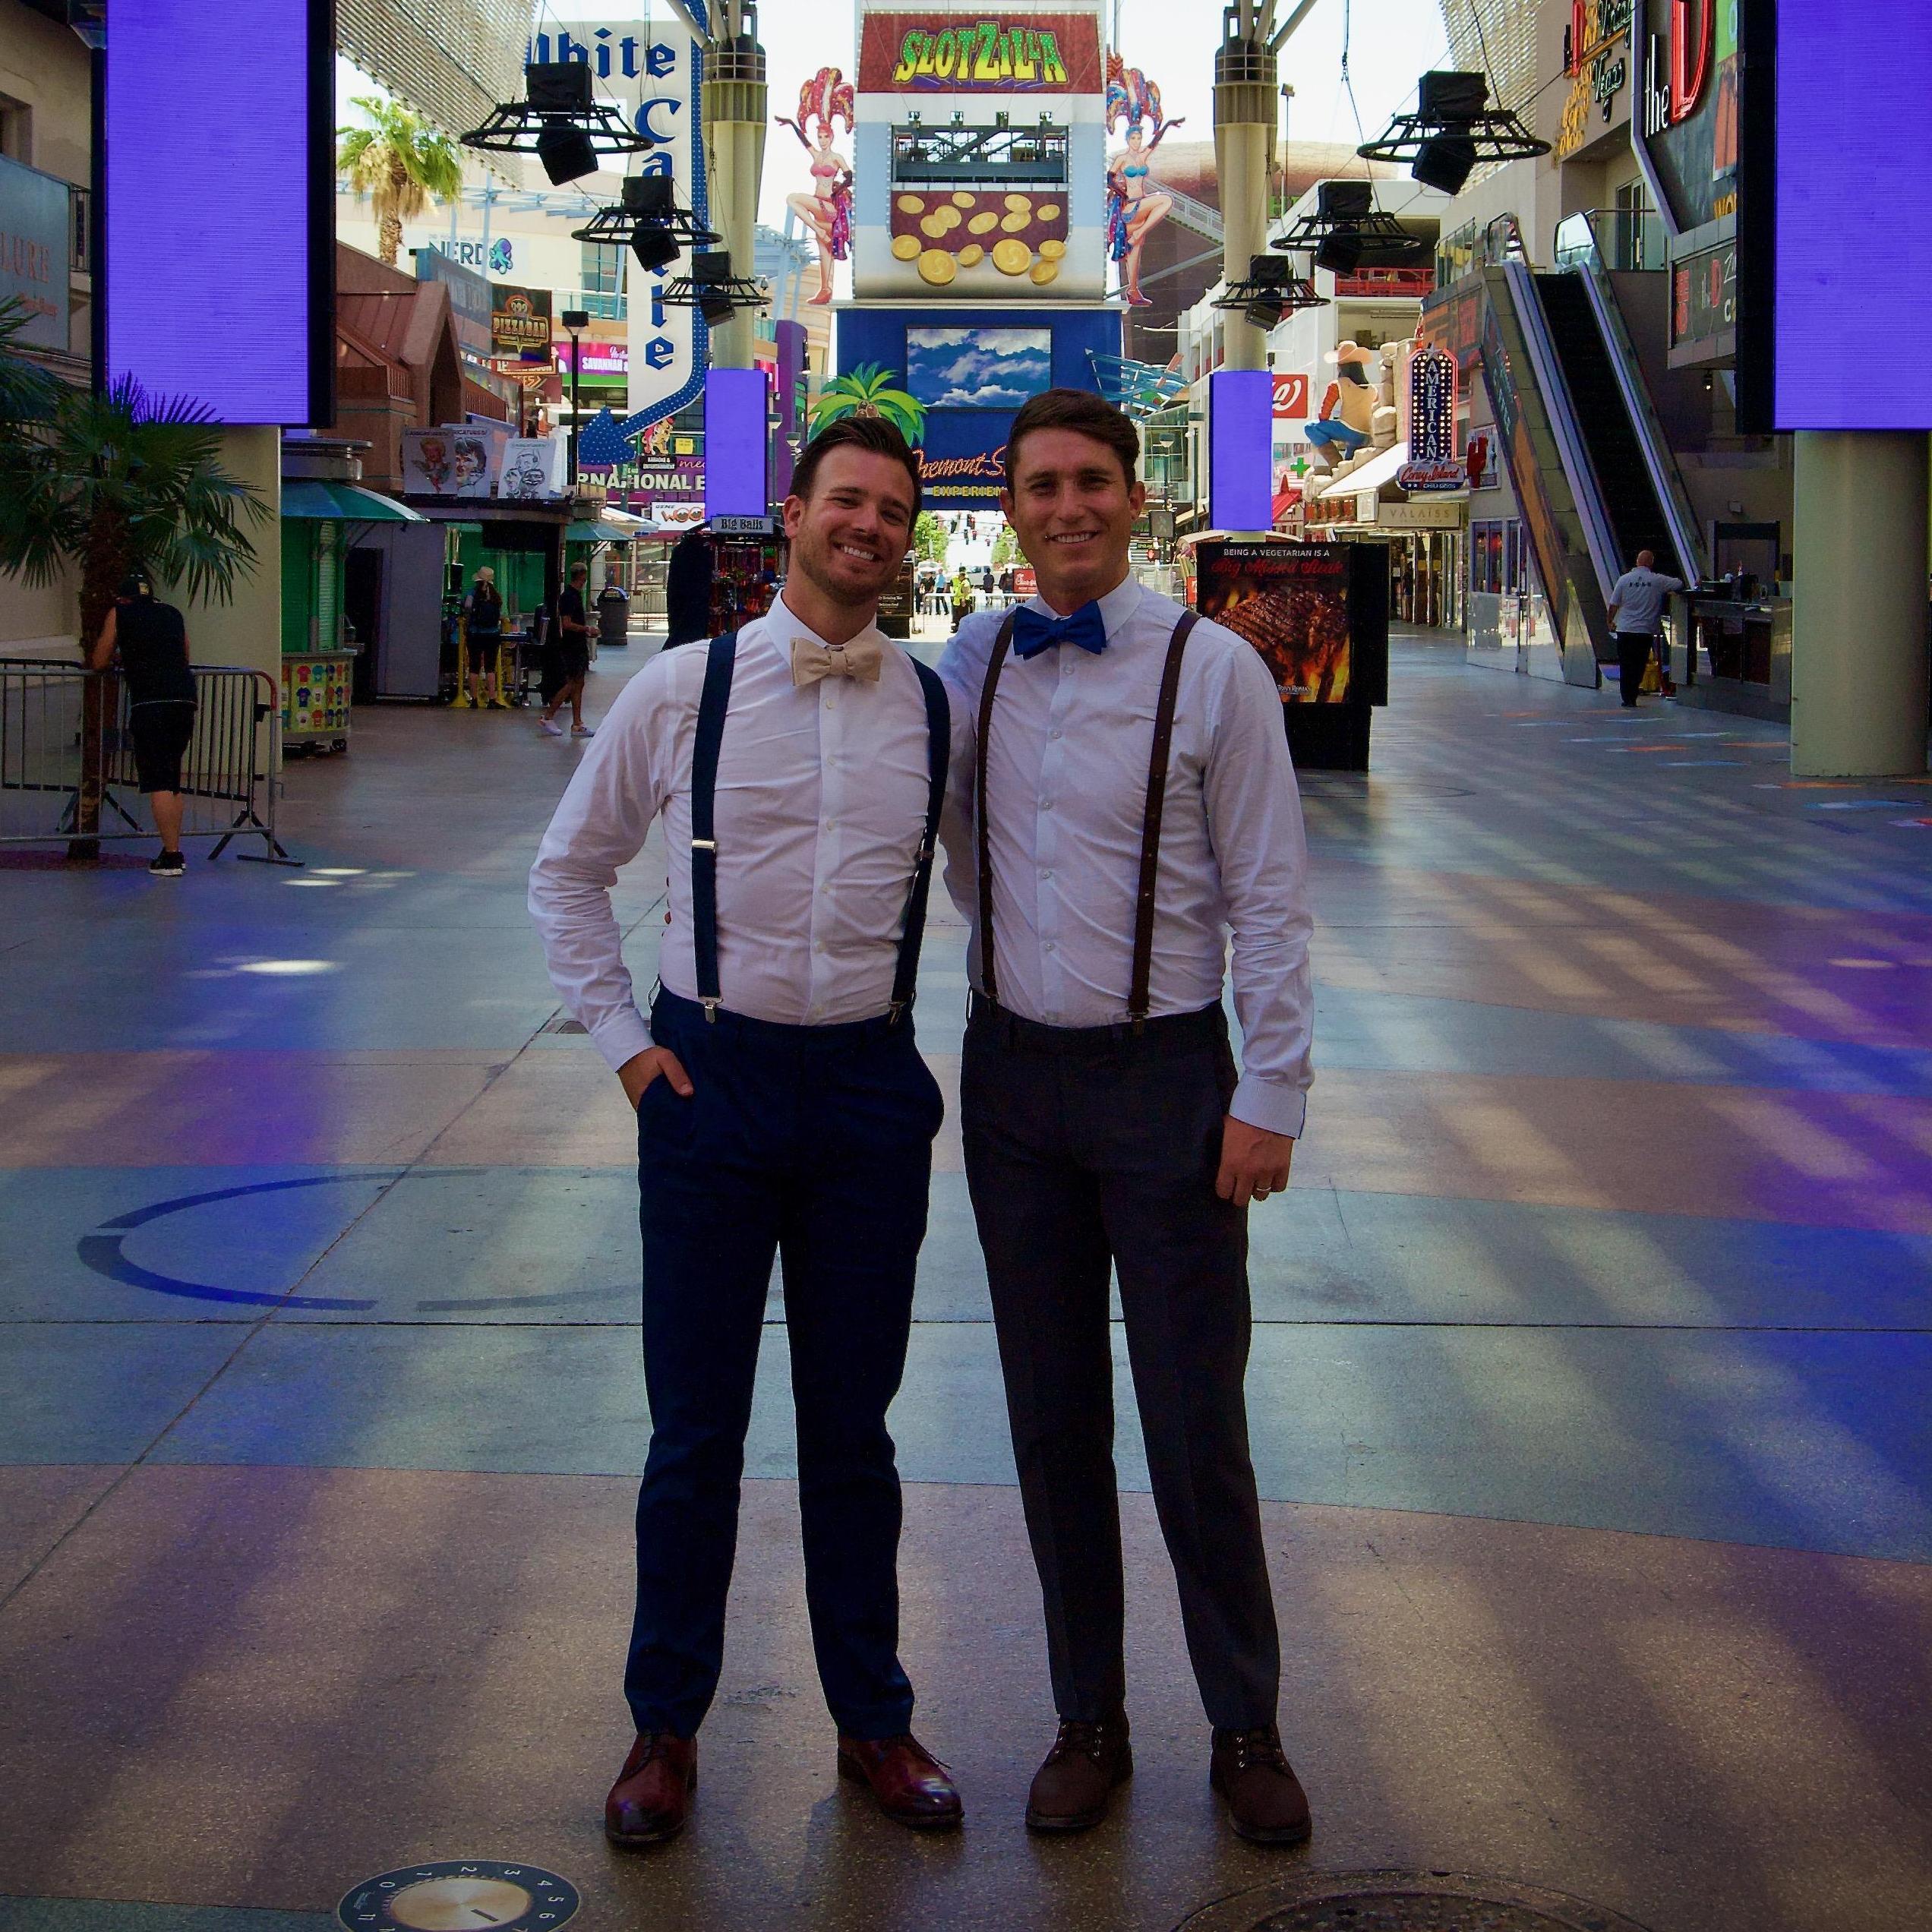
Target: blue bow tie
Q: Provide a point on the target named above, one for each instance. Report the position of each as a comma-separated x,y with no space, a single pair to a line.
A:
1033,631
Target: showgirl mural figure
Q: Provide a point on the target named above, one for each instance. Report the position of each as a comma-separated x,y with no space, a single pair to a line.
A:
825,100
1135,202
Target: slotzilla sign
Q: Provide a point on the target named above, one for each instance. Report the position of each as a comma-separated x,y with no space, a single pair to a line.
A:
963,53
653,73
33,251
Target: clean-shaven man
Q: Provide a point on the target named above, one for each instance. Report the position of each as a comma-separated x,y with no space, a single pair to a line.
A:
798,768
1130,804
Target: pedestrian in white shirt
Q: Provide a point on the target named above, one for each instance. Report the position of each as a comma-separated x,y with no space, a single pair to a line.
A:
1635,613
798,768
1130,804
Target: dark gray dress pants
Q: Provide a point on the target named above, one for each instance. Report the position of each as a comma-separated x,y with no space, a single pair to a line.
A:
1090,1150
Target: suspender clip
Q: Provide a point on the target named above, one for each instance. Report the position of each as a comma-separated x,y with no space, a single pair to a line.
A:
710,1007
894,1009
704,844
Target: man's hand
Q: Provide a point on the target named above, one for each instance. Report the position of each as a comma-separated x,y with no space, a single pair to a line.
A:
655,1063
1255,1163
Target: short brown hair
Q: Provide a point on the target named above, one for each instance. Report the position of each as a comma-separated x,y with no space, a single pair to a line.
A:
1082,412
871,434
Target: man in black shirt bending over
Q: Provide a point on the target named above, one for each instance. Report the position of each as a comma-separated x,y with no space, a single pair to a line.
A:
153,643
569,656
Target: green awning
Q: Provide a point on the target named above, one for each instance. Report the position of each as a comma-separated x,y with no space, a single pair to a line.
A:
308,497
597,533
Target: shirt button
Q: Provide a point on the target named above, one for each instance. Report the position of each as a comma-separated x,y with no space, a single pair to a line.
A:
1045,872
1054,733
1048,947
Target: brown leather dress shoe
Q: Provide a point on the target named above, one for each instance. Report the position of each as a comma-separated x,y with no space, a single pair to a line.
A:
909,1785
652,1796
1265,1800
1070,1789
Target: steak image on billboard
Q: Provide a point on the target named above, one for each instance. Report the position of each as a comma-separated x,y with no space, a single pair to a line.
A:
1291,602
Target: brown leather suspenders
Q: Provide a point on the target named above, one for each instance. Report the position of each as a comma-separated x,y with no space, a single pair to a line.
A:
1137,994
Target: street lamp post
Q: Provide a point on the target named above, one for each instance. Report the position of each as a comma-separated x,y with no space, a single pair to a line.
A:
576,321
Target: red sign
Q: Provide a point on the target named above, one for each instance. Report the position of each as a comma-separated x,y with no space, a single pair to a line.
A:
976,53
1291,397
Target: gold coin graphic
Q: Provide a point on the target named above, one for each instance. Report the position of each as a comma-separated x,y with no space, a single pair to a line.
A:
1052,250
1011,257
1050,210
1019,202
905,246
936,266
911,204
983,224
1014,222
933,226
971,255
960,199
1044,272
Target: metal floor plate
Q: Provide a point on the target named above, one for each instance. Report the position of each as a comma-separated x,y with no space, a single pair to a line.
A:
1403,1902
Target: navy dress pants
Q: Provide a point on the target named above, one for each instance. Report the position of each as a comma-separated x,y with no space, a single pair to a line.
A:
1094,1150
813,1144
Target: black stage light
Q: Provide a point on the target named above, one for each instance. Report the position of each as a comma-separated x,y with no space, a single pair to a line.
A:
557,87
1344,200
566,152
711,270
1445,162
653,245
1265,311
711,265
1445,97
1339,252
717,309
1270,271
649,196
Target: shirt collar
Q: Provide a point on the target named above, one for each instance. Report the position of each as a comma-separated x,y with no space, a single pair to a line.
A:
1115,607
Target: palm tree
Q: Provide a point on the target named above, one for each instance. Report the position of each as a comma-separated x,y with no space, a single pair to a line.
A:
106,484
868,391
399,162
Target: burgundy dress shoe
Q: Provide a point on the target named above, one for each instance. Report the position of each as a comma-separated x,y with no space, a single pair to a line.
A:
910,1785
652,1796
1265,1800
1072,1787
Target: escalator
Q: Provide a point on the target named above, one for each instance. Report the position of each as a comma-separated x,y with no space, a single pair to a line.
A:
1629,500
1592,473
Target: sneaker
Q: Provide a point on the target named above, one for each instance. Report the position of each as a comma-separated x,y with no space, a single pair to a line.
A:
550,729
583,730
167,865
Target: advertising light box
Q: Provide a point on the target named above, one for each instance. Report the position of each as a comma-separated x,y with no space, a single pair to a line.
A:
1831,251
219,234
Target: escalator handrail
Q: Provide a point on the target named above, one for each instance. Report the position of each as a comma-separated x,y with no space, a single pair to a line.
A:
1659,459
1560,410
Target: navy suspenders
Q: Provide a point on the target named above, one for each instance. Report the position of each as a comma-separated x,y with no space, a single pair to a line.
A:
713,703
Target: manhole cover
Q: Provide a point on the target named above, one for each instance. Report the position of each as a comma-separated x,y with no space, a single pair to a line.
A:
1403,1902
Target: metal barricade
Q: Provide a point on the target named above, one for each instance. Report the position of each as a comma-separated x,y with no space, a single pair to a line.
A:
61,725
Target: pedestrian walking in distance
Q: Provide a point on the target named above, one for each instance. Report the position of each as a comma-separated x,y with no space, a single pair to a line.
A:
569,663
483,624
151,641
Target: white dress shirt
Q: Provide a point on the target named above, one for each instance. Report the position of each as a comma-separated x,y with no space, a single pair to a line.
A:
1066,784
821,804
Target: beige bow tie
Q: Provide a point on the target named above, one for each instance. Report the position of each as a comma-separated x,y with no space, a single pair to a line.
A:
859,657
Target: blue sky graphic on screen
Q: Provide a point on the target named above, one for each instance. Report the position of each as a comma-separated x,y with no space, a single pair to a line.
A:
978,368
1853,271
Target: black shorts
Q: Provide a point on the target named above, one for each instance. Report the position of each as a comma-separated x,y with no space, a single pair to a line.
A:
483,651
160,732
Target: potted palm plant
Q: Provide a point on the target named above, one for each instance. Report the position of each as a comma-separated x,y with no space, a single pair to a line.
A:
93,484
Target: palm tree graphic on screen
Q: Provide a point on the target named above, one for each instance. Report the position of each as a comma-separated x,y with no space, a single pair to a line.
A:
869,391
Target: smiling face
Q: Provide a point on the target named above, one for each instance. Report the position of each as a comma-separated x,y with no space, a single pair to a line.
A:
849,537
1073,511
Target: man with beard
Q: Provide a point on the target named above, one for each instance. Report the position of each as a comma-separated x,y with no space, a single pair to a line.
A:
1131,803
799,766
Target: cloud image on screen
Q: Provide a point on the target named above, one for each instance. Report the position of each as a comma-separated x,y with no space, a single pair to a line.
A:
978,368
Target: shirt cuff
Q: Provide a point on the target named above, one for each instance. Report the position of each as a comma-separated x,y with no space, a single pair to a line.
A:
623,1037
1269,1105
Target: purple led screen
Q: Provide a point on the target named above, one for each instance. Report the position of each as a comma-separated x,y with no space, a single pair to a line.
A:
210,205
1854,278
1240,434
735,443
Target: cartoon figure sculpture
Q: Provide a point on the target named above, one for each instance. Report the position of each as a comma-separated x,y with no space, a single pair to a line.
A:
1134,203
824,100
